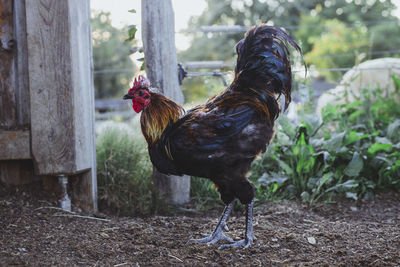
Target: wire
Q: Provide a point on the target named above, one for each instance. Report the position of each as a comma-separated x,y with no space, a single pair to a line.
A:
352,54
239,28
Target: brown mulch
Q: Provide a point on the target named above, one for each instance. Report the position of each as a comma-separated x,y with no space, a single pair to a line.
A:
288,233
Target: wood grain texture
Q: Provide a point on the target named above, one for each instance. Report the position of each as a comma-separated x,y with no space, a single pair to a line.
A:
16,172
49,57
85,191
61,94
21,65
8,111
158,34
14,145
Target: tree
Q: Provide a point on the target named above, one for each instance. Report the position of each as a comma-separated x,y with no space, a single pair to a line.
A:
303,19
337,46
110,52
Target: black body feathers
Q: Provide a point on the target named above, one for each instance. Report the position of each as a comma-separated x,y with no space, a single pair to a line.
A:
220,139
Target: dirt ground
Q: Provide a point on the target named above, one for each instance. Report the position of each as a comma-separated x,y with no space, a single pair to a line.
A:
288,233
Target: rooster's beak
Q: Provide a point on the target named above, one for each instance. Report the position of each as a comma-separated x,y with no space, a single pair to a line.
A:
127,96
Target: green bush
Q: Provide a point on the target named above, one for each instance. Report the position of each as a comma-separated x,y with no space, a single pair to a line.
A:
354,152
124,173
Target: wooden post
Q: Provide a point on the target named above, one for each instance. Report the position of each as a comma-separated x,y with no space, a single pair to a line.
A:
15,154
61,92
158,34
47,95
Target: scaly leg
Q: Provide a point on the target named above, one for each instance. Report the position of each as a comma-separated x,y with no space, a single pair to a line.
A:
218,232
249,236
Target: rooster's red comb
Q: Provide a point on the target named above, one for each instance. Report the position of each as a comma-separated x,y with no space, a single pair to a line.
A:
140,82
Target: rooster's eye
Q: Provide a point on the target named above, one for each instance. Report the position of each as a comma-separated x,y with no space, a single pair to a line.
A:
146,96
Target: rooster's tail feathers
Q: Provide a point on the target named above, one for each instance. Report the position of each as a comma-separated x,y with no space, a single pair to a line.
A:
263,61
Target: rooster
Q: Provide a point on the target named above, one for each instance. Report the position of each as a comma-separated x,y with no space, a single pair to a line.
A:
220,139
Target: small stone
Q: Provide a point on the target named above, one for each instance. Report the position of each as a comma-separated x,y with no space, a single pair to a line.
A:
311,240
353,208
104,235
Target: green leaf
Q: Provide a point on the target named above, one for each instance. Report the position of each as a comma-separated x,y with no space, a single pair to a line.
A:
305,196
354,136
287,127
326,178
344,187
335,141
328,112
275,187
276,178
132,11
376,147
132,29
285,166
356,114
393,131
311,122
355,166
354,104
396,81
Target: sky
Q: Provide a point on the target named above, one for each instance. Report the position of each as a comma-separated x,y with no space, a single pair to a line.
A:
120,16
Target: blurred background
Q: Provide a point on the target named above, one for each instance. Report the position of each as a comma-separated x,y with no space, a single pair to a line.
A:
335,35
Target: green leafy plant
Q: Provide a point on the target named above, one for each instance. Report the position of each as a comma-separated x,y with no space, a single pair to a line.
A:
353,152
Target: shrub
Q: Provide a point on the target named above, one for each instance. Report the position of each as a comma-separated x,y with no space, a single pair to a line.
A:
353,152
124,173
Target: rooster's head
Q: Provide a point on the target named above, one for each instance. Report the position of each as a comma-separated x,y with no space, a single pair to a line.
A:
139,93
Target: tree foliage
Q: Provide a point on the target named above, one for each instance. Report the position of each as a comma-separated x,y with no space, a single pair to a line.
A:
337,46
110,52
312,22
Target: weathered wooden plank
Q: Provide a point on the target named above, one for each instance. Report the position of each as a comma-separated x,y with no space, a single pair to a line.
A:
14,145
83,102
51,97
21,65
8,113
15,172
60,86
61,91
158,34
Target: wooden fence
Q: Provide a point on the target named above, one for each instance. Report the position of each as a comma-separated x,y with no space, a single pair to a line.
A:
46,95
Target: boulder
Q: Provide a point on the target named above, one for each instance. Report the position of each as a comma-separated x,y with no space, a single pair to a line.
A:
371,74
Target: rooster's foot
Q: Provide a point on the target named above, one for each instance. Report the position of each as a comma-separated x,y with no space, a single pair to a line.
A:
212,239
249,235
218,233
244,243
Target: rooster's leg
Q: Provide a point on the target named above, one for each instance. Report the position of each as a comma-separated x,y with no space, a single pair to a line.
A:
218,232
249,236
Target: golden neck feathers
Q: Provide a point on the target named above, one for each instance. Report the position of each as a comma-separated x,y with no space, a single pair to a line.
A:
157,115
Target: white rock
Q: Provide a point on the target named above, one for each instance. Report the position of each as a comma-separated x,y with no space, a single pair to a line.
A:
367,75
311,240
